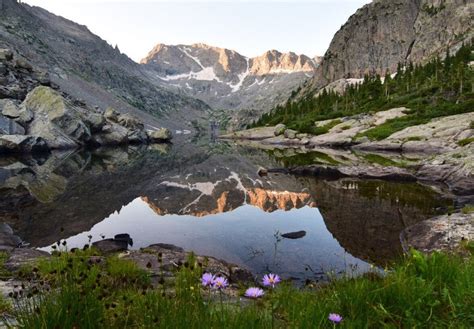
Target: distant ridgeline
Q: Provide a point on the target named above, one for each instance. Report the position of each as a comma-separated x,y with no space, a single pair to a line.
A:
437,88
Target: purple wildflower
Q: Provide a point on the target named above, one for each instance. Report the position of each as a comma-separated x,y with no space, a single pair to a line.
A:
220,282
254,292
207,279
271,280
334,317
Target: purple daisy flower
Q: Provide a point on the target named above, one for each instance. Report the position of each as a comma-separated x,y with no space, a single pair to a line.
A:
271,280
220,282
334,317
254,292
207,279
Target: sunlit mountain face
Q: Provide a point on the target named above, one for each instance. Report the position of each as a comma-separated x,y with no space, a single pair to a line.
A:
212,201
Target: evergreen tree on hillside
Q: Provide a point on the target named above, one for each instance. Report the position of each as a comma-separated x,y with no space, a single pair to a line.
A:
437,88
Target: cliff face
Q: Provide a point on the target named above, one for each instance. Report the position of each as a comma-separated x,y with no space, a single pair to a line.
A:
387,32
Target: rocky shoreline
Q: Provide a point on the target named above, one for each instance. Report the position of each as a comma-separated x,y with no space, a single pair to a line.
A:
439,153
36,117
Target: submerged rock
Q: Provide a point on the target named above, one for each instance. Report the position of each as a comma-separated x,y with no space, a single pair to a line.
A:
294,235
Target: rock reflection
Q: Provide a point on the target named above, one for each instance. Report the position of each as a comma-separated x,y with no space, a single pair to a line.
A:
64,194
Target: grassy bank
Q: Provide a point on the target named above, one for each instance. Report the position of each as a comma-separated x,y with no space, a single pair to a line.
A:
85,290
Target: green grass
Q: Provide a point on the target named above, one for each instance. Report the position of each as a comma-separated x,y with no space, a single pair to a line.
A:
466,141
417,117
303,159
468,209
420,291
381,160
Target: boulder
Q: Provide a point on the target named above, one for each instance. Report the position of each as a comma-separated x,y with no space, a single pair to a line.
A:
21,63
160,135
55,119
21,257
289,133
129,121
111,245
136,136
279,129
111,114
444,233
22,144
6,55
95,121
10,127
112,134
11,110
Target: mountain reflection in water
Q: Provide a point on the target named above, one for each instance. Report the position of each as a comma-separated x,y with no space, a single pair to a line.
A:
210,200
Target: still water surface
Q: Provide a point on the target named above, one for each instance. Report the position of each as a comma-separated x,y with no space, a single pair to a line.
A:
211,200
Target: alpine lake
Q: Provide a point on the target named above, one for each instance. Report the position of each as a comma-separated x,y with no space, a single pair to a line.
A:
209,198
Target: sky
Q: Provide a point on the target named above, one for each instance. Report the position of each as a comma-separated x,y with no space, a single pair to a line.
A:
248,27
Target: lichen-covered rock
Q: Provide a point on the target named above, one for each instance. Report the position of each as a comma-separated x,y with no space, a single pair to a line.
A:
129,121
55,119
160,135
279,129
111,114
22,144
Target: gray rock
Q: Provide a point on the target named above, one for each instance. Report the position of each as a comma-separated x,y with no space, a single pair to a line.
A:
160,135
279,129
6,55
20,257
112,134
9,108
23,64
111,114
111,245
443,233
95,121
55,119
10,127
129,121
289,133
22,144
137,136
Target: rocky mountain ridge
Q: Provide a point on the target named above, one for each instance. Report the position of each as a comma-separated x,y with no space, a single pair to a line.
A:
384,33
88,68
225,79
